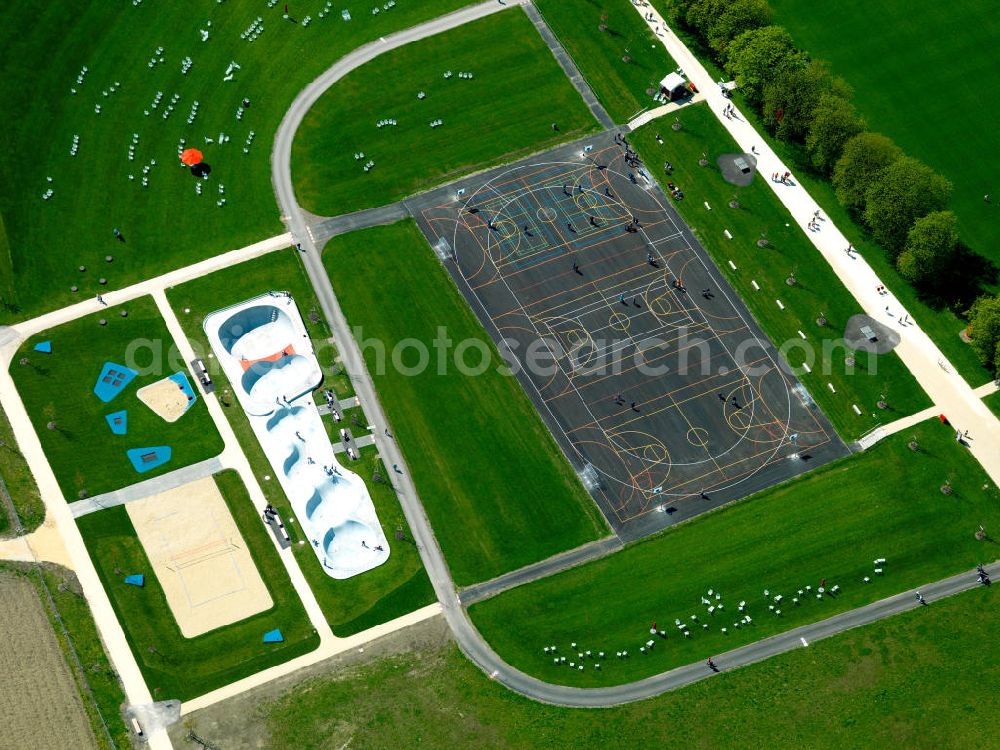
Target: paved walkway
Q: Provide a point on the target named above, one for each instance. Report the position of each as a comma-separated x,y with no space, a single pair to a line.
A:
947,389
359,442
153,486
542,569
371,217
651,114
570,69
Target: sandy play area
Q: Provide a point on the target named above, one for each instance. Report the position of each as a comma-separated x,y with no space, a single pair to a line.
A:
199,557
166,398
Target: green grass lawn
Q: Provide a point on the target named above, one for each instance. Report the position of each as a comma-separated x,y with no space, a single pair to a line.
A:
620,86
100,689
817,289
178,667
953,46
42,50
830,524
993,402
495,486
506,110
916,680
58,389
20,482
394,588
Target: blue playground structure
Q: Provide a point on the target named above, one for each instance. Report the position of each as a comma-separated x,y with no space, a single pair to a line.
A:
138,579
274,636
181,379
112,380
144,459
45,347
118,421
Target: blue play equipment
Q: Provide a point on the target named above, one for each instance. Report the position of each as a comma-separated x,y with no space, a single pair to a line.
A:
45,347
181,379
144,459
118,422
112,380
136,580
273,636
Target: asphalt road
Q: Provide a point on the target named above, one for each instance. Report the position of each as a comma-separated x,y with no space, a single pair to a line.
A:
465,633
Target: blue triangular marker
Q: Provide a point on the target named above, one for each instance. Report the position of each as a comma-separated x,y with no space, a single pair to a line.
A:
136,580
44,346
273,636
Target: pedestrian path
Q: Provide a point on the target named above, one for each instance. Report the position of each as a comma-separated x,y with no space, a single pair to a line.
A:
664,109
360,442
947,389
140,490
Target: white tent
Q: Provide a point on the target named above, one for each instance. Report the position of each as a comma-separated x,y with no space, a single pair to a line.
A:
674,86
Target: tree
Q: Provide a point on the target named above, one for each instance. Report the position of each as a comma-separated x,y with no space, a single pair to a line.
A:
930,250
864,156
790,100
834,123
984,330
761,55
718,22
900,194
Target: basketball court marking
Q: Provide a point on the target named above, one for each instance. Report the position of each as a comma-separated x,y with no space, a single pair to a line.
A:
588,265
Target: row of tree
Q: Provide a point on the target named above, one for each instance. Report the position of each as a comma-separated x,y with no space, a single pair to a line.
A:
902,202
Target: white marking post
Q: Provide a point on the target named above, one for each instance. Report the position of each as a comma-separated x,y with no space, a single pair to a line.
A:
801,335
755,286
804,641
830,386
856,409
707,207
728,235
805,366
732,265
780,306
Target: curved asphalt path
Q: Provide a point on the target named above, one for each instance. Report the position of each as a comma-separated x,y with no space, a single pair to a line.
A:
465,633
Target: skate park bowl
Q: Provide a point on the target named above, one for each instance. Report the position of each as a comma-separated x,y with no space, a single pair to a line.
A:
265,351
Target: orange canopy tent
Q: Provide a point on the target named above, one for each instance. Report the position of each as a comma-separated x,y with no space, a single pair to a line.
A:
191,156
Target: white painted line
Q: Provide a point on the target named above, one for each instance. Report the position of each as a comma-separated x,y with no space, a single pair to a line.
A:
856,409
780,306
732,265
754,285
728,235
830,386
804,641
801,335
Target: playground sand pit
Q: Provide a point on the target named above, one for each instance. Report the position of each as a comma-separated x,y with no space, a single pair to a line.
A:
199,557
166,398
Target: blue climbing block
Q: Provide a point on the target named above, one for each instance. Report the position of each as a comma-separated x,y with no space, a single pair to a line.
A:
118,421
273,636
182,382
112,380
144,459
136,580
44,346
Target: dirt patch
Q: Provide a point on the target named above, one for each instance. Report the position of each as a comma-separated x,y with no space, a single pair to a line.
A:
199,557
241,721
42,708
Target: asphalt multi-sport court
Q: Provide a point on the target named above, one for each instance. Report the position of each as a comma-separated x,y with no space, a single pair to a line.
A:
646,366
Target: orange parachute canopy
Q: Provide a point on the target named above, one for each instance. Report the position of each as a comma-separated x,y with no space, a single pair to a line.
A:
191,156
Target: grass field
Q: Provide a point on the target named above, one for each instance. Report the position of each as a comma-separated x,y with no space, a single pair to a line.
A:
830,524
600,55
57,389
43,49
920,81
993,402
394,588
491,478
916,680
817,289
506,110
20,483
178,667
